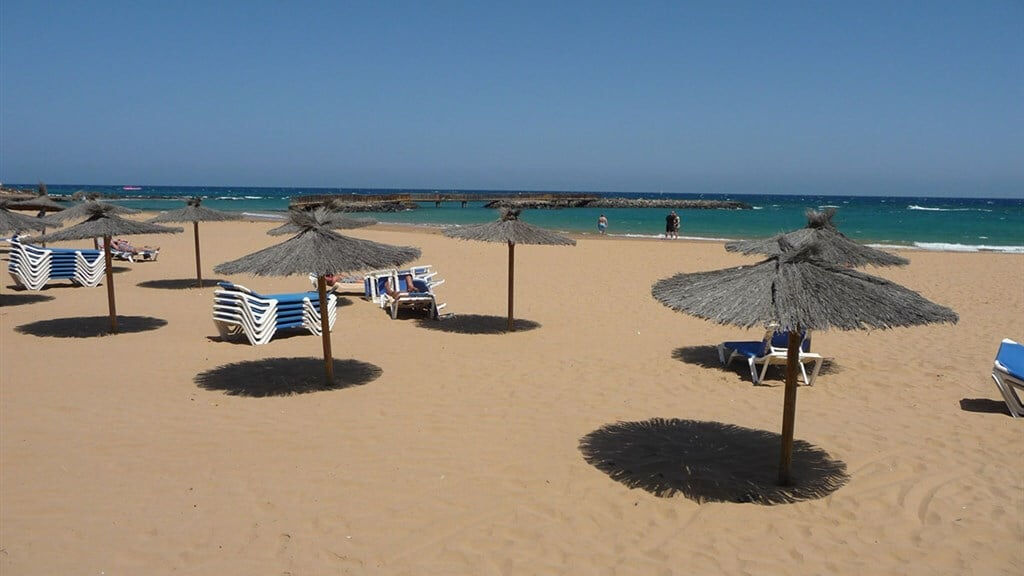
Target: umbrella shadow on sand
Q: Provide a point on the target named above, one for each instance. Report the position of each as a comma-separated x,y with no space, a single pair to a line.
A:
476,324
89,327
707,357
22,299
177,284
709,462
285,376
984,406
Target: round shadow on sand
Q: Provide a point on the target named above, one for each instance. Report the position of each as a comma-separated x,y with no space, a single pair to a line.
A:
285,376
707,357
177,284
22,299
476,324
709,462
89,327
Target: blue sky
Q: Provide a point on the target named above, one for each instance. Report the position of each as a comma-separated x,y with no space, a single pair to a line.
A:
830,97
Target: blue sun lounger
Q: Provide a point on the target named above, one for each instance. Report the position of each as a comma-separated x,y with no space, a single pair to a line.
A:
1008,372
33,267
772,349
237,309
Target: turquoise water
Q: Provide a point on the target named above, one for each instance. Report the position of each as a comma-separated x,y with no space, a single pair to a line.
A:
968,224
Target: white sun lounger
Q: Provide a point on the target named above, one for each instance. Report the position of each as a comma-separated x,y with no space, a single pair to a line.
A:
33,267
772,350
236,309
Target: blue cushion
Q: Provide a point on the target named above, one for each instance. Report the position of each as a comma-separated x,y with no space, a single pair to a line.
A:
748,349
1011,356
781,340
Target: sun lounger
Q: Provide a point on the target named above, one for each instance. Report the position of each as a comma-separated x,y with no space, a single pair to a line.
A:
420,296
1008,372
772,350
373,282
33,267
125,251
236,309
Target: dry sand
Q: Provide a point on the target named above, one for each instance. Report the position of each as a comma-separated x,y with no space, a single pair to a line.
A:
456,452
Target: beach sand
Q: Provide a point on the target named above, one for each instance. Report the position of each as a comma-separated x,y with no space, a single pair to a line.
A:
455,449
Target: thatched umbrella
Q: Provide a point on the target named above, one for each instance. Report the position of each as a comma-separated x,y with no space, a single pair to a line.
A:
102,221
319,250
88,209
13,222
835,246
42,202
331,219
511,230
195,213
797,291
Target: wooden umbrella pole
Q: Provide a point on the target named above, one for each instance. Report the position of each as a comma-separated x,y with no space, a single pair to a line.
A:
789,406
511,278
110,285
325,328
199,266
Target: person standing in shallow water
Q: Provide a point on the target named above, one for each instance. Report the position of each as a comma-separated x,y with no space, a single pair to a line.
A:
602,224
672,225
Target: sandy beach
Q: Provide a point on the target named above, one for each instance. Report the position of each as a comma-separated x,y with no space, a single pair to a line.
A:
453,448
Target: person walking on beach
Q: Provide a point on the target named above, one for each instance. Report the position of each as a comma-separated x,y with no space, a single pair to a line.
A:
672,225
602,224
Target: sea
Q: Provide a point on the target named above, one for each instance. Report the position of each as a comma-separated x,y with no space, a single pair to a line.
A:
926,223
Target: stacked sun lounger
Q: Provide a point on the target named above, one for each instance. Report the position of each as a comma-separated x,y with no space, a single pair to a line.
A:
238,310
33,267
420,296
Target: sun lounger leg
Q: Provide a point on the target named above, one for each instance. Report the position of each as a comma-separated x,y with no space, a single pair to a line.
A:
814,373
1013,402
753,371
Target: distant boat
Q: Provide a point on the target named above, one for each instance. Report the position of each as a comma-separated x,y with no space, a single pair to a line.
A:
131,188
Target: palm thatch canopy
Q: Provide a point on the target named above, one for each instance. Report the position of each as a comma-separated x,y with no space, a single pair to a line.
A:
41,202
797,290
12,222
331,219
318,250
509,229
195,212
88,209
102,220
835,247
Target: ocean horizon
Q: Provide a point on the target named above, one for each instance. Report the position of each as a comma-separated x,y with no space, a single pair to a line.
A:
927,223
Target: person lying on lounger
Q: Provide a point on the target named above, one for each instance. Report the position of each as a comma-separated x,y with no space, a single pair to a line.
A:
126,251
411,287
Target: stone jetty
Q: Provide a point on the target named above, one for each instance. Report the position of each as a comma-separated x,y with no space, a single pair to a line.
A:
620,203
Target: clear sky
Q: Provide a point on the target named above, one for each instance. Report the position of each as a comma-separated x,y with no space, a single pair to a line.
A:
888,97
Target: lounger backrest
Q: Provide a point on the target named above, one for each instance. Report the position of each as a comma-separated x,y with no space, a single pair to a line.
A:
1011,357
781,340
